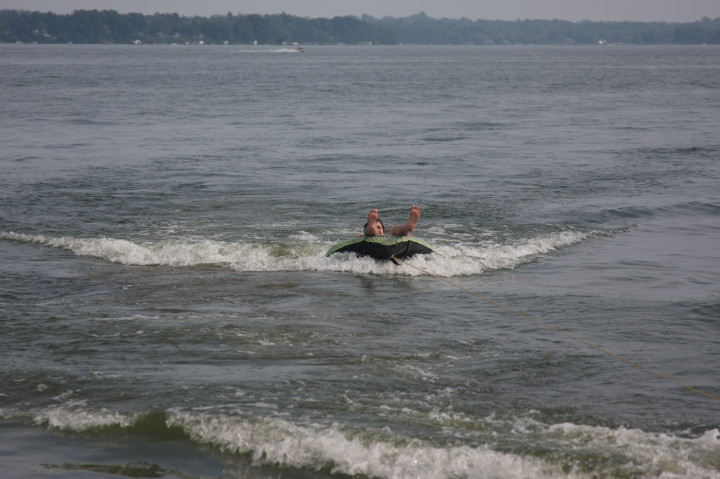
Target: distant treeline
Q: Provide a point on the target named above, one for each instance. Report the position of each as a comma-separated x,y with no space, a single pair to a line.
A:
109,26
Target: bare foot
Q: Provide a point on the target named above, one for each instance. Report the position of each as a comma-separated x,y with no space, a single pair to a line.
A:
405,229
413,217
374,227
372,216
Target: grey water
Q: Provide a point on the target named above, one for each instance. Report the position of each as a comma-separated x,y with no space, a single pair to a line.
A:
167,308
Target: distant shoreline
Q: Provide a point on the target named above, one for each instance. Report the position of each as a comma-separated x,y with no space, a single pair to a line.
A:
111,27
309,46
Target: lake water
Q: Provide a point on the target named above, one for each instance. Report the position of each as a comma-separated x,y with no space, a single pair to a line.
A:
167,309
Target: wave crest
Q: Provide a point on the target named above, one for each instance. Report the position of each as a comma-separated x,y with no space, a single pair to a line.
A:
453,258
549,451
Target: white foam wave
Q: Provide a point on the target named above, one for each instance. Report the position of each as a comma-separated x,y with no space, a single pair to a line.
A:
305,252
468,259
278,442
77,419
654,455
381,453
163,253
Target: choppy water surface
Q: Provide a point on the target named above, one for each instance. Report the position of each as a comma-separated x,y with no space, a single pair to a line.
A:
167,309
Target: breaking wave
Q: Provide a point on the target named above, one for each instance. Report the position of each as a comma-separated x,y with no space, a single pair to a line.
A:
308,253
546,451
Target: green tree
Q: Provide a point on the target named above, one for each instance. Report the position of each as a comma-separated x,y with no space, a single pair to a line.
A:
243,30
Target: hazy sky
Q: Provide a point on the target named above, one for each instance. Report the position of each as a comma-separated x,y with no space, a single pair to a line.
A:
573,10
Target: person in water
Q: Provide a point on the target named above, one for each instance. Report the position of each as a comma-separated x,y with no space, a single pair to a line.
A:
375,226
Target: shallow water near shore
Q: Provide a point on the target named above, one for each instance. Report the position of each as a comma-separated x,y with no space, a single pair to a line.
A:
167,308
